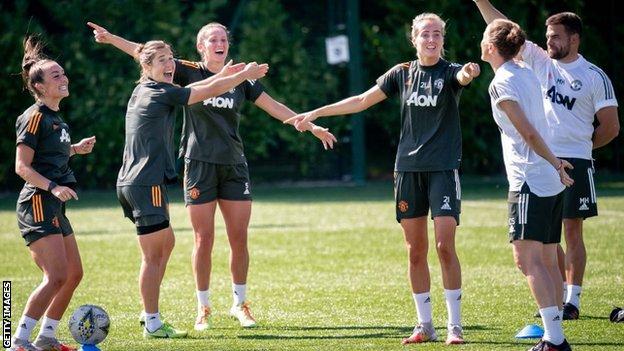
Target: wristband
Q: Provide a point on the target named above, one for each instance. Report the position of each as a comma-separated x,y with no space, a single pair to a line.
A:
74,148
51,186
558,168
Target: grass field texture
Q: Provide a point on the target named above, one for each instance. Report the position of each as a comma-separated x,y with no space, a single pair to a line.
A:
328,272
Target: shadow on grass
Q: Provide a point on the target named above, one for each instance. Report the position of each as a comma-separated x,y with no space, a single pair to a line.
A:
386,332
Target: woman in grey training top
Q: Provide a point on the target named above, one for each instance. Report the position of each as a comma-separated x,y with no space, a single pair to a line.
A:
148,162
427,161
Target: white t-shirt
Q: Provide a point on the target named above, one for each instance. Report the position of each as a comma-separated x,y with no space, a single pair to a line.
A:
516,82
573,93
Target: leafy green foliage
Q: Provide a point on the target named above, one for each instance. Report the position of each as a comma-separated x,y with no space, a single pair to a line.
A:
290,37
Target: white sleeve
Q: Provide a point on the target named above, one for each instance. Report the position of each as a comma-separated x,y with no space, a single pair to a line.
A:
534,55
602,90
502,90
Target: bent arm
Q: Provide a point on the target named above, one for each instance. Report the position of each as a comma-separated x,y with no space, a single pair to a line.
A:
208,87
488,11
530,135
608,128
24,156
353,104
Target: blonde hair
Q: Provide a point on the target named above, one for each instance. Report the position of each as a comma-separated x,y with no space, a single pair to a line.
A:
426,16
203,32
32,64
145,54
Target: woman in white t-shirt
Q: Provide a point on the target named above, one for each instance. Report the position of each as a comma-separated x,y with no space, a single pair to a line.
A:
536,176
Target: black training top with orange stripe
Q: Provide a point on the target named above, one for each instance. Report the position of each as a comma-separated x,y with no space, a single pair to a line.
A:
210,130
47,134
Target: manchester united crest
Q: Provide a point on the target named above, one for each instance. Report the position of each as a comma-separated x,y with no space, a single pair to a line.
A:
194,193
403,207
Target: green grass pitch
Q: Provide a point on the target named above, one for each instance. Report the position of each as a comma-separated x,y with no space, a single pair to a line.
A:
328,272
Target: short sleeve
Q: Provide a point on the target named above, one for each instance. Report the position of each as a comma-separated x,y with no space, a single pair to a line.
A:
389,81
534,55
602,90
253,89
184,71
453,69
502,91
174,95
28,129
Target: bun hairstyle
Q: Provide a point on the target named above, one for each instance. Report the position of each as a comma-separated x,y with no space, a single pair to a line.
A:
507,37
32,62
145,54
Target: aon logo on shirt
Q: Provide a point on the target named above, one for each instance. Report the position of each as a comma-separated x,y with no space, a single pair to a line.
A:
422,100
559,99
220,102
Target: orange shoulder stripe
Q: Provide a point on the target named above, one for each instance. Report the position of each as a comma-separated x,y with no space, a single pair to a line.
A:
189,63
33,122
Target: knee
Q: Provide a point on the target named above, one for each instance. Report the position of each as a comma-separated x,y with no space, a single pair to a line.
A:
55,280
152,259
74,277
238,242
526,265
446,250
417,253
204,240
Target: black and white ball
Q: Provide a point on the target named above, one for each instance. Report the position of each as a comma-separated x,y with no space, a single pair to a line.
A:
89,324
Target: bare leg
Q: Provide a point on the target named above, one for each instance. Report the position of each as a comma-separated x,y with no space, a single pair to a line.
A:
202,220
576,256
417,244
154,247
445,245
236,215
74,276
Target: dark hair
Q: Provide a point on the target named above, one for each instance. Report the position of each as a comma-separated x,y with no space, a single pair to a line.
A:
507,37
570,21
32,62
145,54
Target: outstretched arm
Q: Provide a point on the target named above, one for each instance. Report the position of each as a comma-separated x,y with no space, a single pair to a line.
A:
532,137
104,36
282,112
467,73
353,104
488,11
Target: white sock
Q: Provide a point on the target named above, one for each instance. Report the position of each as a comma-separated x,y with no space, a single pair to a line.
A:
48,327
152,321
203,299
574,295
551,317
453,306
25,327
565,292
423,307
239,292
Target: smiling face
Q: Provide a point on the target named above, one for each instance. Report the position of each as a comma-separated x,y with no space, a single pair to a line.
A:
429,39
55,84
558,41
162,66
213,43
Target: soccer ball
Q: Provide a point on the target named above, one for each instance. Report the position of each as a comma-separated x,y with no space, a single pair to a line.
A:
89,324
